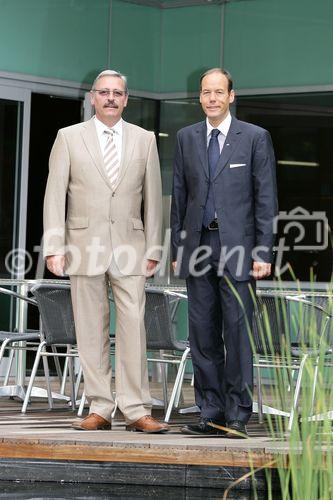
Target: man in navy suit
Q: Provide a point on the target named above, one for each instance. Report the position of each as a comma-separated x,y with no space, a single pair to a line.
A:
223,205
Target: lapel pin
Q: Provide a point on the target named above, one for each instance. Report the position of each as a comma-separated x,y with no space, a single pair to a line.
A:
228,144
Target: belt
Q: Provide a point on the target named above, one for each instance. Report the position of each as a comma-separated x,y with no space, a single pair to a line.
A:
213,226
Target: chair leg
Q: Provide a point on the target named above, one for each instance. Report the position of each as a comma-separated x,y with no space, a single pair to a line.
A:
314,385
3,348
176,384
32,376
82,403
72,381
2,352
64,377
78,382
10,364
57,364
113,414
164,374
47,380
297,392
291,379
179,392
260,406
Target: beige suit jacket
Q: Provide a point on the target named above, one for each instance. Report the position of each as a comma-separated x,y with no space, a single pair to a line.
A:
101,222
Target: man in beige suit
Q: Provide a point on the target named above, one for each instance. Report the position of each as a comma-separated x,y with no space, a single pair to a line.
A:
107,170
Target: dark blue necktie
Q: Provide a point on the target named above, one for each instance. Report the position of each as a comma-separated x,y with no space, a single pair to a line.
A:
213,158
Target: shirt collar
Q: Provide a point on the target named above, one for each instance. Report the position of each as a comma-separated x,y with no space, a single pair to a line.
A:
223,127
100,126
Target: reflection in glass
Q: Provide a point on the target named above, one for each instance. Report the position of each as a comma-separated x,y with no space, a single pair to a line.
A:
175,114
301,127
142,112
10,114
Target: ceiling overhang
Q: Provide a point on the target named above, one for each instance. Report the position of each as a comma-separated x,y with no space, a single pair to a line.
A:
172,4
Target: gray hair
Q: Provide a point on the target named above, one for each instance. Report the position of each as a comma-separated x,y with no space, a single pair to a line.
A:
110,72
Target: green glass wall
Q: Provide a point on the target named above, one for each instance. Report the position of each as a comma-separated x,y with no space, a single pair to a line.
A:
269,43
191,43
64,39
136,44
264,43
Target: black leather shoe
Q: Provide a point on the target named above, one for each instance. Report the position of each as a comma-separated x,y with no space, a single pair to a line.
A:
236,430
203,428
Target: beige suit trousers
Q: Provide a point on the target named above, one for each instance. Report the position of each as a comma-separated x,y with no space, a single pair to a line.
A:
92,321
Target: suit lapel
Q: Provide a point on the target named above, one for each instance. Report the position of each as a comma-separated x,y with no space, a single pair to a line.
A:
90,139
230,144
128,143
201,142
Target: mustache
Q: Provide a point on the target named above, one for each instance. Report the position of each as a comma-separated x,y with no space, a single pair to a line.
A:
111,104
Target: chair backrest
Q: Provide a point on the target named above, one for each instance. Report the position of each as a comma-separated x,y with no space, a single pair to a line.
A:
269,324
281,322
55,308
158,322
310,317
326,302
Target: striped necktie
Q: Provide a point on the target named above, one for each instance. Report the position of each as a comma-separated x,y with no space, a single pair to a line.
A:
111,160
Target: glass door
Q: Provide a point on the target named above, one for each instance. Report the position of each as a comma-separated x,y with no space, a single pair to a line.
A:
14,145
14,154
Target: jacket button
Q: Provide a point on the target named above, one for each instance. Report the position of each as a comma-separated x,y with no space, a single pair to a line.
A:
113,193
112,222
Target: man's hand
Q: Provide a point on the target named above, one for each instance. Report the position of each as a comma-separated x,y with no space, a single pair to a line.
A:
174,265
261,270
56,264
151,267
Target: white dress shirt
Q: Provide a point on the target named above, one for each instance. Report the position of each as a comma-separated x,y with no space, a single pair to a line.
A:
223,128
117,137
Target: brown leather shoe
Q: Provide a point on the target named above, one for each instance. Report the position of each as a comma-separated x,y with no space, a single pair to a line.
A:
149,425
92,422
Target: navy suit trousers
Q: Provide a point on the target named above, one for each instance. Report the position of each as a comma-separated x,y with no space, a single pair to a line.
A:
220,316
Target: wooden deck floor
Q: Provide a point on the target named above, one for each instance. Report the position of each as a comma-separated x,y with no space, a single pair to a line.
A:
42,446
47,434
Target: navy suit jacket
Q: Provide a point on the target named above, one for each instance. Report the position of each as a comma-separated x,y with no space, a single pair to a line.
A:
244,191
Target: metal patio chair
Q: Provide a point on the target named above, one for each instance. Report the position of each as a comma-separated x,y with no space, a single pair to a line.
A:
287,332
13,342
326,302
56,329
159,314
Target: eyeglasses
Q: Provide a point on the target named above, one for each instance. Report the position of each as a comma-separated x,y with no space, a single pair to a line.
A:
108,92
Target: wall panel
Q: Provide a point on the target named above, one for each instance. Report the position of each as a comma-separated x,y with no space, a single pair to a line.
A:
271,43
136,44
65,39
191,43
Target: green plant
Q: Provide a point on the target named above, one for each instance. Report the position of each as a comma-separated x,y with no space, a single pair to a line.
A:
305,467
